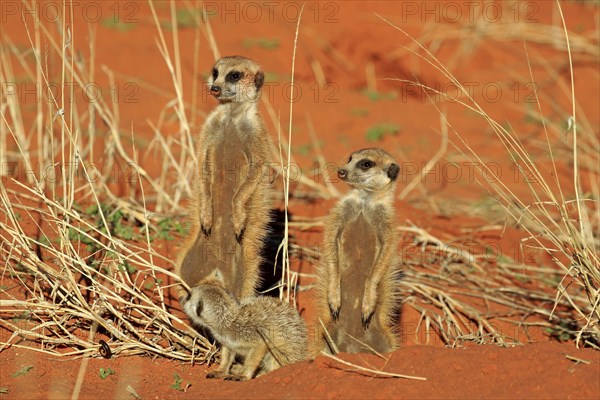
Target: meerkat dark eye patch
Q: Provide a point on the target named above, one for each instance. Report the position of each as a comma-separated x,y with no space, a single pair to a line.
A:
365,164
392,171
215,73
234,76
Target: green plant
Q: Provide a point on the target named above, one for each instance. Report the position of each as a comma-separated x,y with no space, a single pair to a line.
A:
178,382
121,26
378,132
23,371
166,226
265,43
127,267
186,18
375,95
24,316
359,112
151,285
563,331
105,373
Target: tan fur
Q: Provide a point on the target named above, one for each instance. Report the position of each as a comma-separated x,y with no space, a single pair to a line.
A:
232,194
265,332
357,288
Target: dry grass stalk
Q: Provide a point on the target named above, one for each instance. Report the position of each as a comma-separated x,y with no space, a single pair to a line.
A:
283,248
372,372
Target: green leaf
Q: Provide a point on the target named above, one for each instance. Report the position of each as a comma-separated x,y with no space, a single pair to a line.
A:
118,25
23,371
126,267
359,112
374,95
377,132
105,373
92,210
265,43
178,381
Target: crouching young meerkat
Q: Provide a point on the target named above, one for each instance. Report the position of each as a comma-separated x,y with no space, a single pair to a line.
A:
266,332
357,279
232,196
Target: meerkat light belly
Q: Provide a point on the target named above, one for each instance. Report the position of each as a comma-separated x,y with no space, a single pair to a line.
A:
356,260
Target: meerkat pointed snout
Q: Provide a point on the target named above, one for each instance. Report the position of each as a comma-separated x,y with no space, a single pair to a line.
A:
236,79
357,281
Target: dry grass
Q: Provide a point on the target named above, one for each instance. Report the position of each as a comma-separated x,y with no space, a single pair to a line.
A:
75,272
561,226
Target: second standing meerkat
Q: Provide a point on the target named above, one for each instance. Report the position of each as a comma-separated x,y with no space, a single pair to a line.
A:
357,278
232,196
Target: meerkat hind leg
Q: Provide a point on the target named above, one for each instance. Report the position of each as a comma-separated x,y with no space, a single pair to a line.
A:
251,363
223,371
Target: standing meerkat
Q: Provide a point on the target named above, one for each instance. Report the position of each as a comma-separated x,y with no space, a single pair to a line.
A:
357,286
266,332
232,196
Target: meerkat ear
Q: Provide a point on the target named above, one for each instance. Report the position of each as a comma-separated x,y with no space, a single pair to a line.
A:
392,171
184,298
218,276
259,79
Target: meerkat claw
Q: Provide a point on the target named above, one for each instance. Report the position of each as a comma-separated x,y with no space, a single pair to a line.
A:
366,321
239,237
335,313
238,378
206,231
217,375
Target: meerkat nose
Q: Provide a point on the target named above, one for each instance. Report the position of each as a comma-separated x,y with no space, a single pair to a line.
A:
342,173
215,90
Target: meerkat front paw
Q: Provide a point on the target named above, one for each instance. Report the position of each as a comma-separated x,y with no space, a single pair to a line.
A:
206,221
238,378
368,309
218,375
335,303
239,222
366,320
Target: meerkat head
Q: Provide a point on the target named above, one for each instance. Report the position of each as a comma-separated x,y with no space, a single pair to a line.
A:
206,305
370,169
236,79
